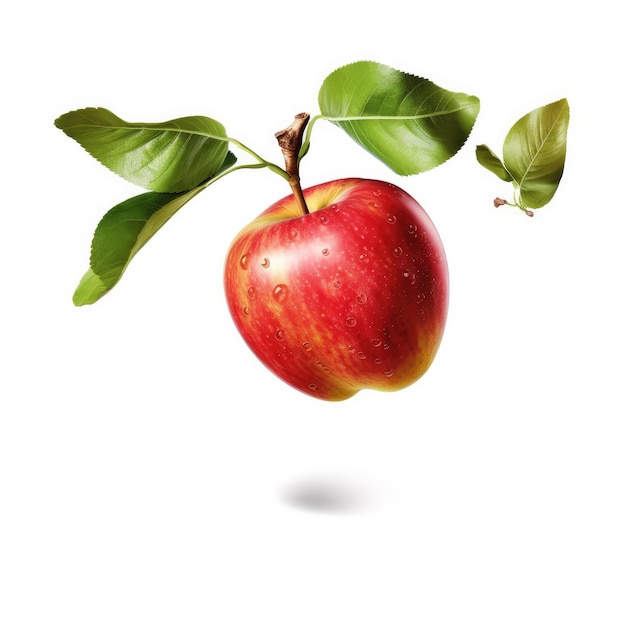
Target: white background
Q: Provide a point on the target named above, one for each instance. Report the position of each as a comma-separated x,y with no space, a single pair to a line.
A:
153,472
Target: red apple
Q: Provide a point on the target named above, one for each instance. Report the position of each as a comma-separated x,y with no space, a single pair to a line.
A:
352,295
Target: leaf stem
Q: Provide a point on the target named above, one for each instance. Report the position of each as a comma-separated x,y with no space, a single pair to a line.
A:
306,143
290,142
247,166
262,162
500,202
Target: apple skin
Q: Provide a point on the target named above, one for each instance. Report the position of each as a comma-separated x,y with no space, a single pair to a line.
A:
352,295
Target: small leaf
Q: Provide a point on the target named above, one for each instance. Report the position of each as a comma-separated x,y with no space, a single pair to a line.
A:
167,157
408,122
534,153
124,230
488,159
121,233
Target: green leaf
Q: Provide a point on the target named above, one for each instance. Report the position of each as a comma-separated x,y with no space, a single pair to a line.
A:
407,122
124,230
167,157
493,163
534,153
121,233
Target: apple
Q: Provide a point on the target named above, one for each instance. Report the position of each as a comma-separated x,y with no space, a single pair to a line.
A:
351,295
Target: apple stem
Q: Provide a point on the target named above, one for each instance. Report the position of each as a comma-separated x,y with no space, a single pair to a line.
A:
290,142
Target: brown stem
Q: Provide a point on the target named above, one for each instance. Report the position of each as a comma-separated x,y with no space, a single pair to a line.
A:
290,142
500,202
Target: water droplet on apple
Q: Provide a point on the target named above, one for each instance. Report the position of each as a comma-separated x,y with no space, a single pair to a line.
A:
307,346
280,292
243,262
376,342
246,310
265,263
392,219
351,348
279,335
363,257
323,218
361,356
378,361
312,386
410,275
350,322
337,284
397,251
376,192
250,292
325,251
361,298
294,234
411,229
388,373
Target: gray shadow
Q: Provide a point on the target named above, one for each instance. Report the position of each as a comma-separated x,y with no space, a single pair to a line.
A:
328,495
